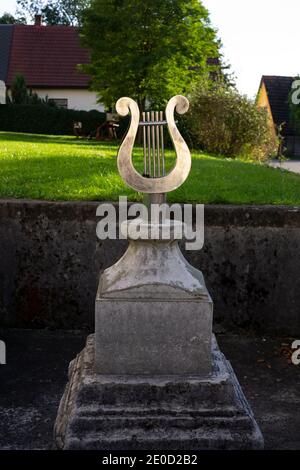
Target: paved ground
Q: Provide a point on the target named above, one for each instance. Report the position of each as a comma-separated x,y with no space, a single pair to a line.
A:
33,380
291,165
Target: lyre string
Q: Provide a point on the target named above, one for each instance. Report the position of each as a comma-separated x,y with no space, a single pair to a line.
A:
145,145
149,146
153,143
161,116
157,143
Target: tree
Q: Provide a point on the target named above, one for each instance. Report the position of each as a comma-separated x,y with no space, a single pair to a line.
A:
67,12
19,92
148,50
21,95
7,18
225,123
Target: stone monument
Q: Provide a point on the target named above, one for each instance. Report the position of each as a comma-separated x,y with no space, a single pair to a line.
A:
152,376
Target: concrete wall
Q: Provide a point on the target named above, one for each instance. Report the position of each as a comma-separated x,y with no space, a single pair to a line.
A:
50,261
79,99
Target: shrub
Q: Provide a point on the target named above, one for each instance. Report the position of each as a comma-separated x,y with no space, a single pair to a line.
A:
20,94
223,122
45,119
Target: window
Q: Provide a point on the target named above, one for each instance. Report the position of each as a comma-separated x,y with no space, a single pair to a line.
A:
59,102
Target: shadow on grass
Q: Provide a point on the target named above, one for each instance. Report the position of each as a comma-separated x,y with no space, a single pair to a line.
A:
55,139
60,166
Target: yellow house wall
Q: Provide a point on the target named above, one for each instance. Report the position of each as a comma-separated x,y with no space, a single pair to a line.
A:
262,101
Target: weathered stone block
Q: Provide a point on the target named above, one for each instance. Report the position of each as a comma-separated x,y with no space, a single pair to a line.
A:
159,337
154,413
153,312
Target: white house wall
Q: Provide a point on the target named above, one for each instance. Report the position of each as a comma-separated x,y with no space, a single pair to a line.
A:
80,99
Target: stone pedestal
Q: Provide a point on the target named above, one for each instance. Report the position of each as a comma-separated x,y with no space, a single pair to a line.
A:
152,377
110,412
153,311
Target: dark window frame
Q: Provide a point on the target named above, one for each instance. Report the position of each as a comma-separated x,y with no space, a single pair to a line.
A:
60,102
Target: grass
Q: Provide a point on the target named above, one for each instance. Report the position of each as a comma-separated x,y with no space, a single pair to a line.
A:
64,168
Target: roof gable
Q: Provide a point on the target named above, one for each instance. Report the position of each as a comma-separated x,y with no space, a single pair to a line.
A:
278,90
47,56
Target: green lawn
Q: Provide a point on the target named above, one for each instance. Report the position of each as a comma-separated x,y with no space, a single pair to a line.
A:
63,168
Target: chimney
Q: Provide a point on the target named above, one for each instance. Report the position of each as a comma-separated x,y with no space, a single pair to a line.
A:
38,20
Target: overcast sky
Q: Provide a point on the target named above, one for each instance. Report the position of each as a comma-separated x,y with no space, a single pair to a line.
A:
7,5
260,37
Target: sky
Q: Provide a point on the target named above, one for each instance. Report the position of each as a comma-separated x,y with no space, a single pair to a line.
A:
260,37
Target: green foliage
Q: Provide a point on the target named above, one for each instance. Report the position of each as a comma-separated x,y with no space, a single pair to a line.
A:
67,12
150,49
45,119
19,92
223,122
8,18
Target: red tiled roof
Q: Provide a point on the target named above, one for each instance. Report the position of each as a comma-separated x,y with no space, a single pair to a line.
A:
47,56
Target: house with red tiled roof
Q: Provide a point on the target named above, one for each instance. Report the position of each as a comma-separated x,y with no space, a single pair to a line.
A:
48,58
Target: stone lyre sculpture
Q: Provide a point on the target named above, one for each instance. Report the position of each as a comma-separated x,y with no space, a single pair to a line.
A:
152,375
154,180
153,274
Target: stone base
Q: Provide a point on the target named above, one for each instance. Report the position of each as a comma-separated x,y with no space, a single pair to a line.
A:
153,311
154,413
151,338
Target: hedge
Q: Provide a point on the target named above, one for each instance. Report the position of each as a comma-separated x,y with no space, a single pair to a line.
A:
45,119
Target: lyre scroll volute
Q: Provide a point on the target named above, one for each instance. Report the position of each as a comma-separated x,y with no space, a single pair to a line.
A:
153,183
